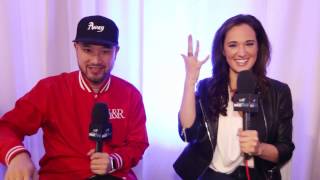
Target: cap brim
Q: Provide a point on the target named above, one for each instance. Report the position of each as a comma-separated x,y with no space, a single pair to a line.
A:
97,42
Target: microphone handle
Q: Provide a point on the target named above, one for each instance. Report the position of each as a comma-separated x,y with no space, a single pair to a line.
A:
246,122
99,145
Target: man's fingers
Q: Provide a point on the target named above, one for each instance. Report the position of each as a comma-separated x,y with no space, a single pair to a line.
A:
99,155
18,176
99,172
23,175
35,175
90,152
98,161
99,165
26,177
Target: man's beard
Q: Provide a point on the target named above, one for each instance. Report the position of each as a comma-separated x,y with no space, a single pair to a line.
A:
97,81
94,80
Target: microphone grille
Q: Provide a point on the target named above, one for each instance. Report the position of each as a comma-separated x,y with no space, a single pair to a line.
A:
246,82
100,113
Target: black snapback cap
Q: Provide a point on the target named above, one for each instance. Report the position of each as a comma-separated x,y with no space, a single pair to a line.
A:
97,30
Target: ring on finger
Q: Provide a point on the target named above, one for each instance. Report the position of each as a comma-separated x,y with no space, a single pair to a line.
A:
190,54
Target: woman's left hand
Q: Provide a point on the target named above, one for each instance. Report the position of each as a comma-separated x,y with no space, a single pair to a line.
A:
249,142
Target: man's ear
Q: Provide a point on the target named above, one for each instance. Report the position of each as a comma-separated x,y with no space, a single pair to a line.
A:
117,48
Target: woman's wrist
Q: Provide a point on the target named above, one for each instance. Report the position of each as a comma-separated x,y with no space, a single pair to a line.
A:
260,149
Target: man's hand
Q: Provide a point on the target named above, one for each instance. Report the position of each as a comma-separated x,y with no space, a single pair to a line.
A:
100,162
21,168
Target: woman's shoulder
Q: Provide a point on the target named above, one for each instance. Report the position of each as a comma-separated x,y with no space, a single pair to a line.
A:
277,85
203,84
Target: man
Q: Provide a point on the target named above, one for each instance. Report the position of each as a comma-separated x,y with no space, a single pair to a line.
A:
62,105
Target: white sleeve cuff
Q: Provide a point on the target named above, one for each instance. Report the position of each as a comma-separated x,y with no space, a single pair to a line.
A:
13,151
117,161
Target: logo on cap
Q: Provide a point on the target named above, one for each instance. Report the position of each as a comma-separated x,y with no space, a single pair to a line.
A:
91,26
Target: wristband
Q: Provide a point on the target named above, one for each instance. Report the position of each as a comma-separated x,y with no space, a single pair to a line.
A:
111,163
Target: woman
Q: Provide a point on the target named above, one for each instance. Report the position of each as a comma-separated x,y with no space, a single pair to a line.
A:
212,128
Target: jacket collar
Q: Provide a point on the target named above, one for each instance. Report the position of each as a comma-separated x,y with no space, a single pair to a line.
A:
86,86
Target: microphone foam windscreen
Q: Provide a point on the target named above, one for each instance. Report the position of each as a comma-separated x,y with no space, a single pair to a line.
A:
246,82
100,113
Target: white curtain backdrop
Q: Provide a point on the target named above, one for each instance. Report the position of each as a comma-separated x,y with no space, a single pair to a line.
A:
35,42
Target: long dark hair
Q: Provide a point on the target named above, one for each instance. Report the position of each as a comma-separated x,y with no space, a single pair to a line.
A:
218,86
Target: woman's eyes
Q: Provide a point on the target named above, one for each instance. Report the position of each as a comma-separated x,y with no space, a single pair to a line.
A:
246,44
232,45
250,43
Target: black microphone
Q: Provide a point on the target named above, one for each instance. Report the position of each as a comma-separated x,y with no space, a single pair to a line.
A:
245,99
100,128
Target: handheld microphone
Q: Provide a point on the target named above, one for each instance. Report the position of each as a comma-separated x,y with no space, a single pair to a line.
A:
100,128
245,99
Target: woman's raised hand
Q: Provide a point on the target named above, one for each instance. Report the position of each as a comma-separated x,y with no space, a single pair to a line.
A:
187,111
192,63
